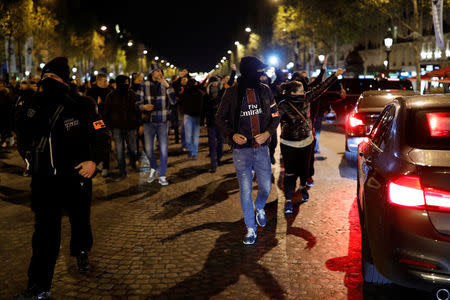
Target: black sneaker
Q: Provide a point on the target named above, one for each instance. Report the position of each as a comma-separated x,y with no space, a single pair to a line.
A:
34,294
83,262
305,194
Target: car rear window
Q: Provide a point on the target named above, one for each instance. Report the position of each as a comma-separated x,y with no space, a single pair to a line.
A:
376,101
430,129
404,85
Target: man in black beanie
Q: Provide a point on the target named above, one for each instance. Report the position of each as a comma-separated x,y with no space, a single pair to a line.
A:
63,138
248,115
122,116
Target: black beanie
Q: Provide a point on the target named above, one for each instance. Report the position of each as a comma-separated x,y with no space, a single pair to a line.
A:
121,80
58,66
250,64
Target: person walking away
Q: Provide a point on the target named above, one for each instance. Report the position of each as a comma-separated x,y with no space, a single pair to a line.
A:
297,140
154,99
6,105
122,115
192,99
99,91
213,96
248,116
64,138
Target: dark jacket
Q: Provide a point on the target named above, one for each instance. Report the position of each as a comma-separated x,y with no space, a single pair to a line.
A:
211,105
228,114
78,135
293,126
96,92
121,111
192,101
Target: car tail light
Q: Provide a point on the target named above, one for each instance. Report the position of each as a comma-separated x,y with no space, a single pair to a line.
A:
354,120
439,124
437,200
406,191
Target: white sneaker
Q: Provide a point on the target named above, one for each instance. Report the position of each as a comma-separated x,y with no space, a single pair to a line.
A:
163,181
152,175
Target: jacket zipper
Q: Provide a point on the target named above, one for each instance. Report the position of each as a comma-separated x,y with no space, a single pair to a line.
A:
51,153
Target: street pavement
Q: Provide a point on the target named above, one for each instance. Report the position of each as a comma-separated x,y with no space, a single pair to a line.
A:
184,240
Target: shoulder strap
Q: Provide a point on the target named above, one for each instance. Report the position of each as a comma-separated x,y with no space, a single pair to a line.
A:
301,115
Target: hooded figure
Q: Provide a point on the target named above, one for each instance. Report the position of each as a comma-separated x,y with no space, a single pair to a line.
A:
123,84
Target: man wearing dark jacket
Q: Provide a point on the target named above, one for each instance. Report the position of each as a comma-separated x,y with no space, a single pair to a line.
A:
213,96
192,99
64,138
122,115
99,91
248,115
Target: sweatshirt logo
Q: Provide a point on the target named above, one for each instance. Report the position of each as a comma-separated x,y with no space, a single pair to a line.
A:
99,124
253,110
69,123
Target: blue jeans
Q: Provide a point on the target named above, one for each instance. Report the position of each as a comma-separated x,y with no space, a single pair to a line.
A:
245,160
215,140
161,132
192,133
120,136
318,129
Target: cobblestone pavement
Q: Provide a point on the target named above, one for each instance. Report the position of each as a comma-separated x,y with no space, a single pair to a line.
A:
185,240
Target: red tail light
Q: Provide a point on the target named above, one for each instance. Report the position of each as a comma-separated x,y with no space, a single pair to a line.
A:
406,191
437,200
354,120
439,124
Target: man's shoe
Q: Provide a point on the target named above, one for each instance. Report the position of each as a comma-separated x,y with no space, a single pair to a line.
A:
34,294
305,195
105,173
250,237
120,178
83,262
152,175
310,182
261,217
163,181
288,207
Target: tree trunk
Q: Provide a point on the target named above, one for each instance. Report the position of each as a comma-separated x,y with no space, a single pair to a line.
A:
417,42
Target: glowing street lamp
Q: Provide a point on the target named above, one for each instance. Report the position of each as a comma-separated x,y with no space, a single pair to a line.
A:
42,65
273,60
217,66
130,44
163,61
321,58
237,43
74,70
388,41
172,66
167,64
95,72
224,58
229,51
156,58
248,29
103,28
145,52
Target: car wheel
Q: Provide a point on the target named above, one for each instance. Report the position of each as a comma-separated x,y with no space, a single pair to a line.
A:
369,271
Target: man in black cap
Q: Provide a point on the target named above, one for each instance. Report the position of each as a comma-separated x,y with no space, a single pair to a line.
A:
248,115
64,138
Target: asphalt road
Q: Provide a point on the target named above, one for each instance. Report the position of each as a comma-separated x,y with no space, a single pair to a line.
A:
185,240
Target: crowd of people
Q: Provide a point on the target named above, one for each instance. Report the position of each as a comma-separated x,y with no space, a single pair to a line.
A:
64,131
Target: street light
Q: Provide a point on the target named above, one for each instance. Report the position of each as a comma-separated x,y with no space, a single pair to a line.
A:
237,43
156,58
103,28
388,41
321,58
167,64
273,60
248,29
42,65
145,52
229,51
74,70
130,44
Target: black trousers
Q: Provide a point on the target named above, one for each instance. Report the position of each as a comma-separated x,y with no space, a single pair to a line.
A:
49,196
296,164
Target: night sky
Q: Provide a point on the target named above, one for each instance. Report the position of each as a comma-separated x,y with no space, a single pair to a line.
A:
191,34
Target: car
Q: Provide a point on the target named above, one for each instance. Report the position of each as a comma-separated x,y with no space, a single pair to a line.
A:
403,195
359,122
354,87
